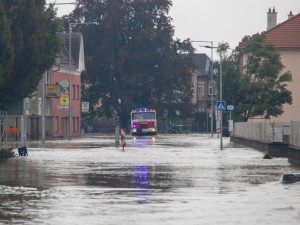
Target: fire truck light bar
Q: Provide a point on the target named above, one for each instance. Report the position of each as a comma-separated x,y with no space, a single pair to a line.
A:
143,110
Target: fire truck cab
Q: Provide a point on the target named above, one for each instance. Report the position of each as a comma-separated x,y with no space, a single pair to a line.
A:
143,121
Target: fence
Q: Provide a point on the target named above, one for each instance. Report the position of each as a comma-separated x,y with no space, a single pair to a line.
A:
265,131
295,134
182,126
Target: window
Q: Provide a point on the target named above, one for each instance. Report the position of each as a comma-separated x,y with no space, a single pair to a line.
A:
210,89
77,123
215,90
48,77
201,88
201,108
73,123
40,105
48,107
77,92
56,123
143,116
74,92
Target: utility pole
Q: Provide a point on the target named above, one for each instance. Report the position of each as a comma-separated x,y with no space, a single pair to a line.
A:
43,110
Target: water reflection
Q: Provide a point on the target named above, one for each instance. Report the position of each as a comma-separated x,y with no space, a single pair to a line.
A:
143,142
140,177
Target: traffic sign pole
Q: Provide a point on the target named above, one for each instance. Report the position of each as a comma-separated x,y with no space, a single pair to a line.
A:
221,106
230,127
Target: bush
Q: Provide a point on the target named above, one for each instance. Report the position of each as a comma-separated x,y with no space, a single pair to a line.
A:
6,153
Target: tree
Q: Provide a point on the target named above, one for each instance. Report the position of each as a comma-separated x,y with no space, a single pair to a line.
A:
29,44
230,77
263,87
132,59
230,74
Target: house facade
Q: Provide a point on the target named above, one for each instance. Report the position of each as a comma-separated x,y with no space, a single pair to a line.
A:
203,85
56,103
286,38
60,77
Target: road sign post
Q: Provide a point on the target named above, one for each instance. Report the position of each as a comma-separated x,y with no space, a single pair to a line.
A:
221,106
230,108
230,122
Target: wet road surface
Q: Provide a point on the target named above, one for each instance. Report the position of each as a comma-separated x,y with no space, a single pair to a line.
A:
172,179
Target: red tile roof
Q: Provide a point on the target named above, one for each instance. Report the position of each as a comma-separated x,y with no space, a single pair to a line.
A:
284,35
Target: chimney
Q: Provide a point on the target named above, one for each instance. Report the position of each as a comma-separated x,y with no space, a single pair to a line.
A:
272,19
290,15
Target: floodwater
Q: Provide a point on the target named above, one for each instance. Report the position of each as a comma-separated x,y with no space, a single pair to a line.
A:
172,179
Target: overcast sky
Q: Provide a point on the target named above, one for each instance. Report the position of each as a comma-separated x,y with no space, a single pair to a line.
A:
218,20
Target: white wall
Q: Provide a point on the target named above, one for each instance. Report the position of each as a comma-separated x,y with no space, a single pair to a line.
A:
295,135
260,131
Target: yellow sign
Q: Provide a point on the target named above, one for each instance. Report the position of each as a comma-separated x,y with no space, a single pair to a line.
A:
51,89
64,99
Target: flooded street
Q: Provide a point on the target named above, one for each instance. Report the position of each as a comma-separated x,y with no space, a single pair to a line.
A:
172,179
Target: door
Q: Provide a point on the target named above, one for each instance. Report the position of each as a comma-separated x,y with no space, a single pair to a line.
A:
65,127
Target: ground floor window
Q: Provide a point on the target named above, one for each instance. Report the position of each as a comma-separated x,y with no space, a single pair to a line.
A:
73,123
77,123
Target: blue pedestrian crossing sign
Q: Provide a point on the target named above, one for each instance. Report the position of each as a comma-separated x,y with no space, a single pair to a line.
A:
221,105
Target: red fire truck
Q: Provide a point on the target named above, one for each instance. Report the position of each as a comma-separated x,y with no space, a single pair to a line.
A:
143,121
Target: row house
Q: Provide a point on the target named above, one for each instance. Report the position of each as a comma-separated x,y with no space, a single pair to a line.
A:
56,96
286,38
60,77
204,86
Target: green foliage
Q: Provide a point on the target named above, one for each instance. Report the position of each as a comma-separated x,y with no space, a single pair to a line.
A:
230,78
263,87
131,57
6,153
29,42
261,90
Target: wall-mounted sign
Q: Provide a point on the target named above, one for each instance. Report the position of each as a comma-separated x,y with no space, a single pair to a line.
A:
52,91
64,99
85,107
64,86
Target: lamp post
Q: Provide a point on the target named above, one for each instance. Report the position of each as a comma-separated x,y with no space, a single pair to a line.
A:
70,81
221,85
221,112
212,89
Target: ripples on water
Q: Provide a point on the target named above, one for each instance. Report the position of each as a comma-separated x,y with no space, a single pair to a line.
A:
167,180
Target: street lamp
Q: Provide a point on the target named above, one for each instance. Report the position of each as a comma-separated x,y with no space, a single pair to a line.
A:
221,112
70,58
212,89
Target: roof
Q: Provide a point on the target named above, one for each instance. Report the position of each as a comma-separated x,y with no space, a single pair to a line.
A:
200,60
284,35
75,45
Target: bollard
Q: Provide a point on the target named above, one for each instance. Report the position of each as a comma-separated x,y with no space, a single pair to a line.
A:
117,135
123,135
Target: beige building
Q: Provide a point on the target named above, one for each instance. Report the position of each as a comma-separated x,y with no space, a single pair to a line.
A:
286,38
